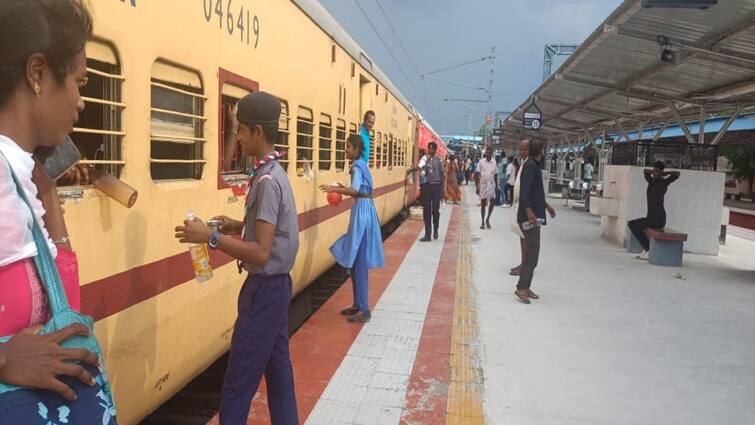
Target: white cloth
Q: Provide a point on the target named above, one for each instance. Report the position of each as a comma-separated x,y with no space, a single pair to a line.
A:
515,205
511,174
488,171
423,161
16,222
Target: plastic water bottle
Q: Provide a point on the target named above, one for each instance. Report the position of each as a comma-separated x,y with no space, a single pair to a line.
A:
527,225
200,257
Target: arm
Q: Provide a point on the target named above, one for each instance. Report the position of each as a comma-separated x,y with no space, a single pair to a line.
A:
648,175
53,219
671,176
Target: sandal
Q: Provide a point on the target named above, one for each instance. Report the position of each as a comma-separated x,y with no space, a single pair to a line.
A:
523,298
532,295
349,311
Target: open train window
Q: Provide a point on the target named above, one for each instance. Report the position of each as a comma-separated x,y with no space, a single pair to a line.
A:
326,142
340,145
305,126
233,167
378,149
176,123
99,132
283,131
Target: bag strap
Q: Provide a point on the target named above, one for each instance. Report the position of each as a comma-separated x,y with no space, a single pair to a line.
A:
45,264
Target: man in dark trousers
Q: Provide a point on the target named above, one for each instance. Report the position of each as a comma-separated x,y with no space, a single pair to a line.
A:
658,182
266,250
530,216
433,172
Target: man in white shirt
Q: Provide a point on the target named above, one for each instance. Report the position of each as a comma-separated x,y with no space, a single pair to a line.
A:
510,180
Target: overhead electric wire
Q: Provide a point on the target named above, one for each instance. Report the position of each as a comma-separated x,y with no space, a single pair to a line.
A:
374,28
395,34
459,65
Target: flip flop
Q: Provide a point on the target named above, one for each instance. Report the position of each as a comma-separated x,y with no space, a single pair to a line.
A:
524,299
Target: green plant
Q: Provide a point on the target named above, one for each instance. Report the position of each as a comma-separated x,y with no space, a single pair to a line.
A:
742,162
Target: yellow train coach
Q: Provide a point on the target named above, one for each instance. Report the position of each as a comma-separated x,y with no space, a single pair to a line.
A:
164,77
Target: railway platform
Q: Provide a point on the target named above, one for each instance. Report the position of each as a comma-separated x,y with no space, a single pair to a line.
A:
613,340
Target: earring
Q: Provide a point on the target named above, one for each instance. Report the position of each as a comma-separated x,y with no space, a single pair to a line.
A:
37,89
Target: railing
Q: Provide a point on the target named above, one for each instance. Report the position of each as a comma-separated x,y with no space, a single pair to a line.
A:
685,156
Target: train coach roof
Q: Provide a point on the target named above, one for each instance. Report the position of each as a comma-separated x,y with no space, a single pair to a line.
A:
328,23
617,82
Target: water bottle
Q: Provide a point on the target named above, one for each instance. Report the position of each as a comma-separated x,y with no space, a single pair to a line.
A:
527,225
200,257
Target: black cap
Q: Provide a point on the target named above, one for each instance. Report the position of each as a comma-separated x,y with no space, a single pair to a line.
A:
259,108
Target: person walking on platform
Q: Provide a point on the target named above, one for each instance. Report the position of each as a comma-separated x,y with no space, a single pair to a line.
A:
487,186
510,180
452,193
267,251
468,170
361,248
501,176
433,171
530,216
658,183
364,131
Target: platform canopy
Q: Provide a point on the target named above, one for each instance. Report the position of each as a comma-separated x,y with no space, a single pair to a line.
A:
616,83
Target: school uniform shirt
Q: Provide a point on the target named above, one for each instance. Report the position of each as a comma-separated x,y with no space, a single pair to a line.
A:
434,167
271,200
15,226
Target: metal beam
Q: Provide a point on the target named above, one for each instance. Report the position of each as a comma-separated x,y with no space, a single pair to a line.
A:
681,122
727,124
701,136
660,131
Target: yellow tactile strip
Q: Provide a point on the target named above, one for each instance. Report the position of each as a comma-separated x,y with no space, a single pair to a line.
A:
466,383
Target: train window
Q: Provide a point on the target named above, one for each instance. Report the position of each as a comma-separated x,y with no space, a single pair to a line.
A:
233,164
283,132
99,131
353,131
326,142
384,151
377,89
340,145
373,149
176,123
390,151
386,97
333,53
353,69
305,126
378,149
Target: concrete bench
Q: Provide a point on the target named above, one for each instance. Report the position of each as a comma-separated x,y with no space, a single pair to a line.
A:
666,247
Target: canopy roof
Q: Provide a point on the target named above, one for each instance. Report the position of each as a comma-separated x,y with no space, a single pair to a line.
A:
616,82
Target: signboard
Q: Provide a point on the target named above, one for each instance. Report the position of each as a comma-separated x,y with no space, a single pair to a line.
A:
533,117
497,132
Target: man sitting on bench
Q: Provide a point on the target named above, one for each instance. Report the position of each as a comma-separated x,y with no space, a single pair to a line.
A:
658,181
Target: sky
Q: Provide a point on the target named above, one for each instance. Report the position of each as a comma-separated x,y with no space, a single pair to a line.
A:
441,33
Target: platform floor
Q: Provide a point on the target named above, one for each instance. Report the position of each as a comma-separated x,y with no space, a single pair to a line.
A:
612,340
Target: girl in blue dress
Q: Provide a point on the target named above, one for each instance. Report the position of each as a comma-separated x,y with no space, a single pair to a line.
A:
361,248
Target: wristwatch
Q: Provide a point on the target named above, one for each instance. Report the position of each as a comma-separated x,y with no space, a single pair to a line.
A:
214,241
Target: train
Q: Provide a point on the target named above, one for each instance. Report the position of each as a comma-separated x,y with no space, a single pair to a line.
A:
163,81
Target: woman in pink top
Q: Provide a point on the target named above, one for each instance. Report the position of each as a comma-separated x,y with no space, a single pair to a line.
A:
42,67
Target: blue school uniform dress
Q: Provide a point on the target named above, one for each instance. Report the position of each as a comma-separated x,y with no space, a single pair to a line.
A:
361,248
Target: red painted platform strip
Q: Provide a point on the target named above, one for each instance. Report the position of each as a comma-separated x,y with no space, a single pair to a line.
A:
320,345
742,220
427,395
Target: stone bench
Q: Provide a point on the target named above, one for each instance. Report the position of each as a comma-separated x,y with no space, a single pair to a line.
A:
666,246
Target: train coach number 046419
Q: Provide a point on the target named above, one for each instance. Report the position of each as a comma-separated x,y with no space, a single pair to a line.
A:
235,20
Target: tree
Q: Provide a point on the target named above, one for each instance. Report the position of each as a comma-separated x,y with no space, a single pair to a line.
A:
742,162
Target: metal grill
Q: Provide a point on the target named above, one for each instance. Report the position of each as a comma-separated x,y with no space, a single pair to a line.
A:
684,156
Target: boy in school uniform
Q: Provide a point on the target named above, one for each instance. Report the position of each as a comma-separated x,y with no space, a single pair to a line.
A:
267,251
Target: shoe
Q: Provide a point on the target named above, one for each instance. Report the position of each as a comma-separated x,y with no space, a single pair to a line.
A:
532,295
349,311
435,235
488,224
522,295
425,239
644,256
516,271
482,226
361,317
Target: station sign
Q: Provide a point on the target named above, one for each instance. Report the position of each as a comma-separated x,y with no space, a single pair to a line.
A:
497,132
533,117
